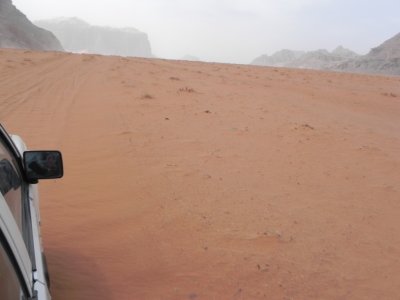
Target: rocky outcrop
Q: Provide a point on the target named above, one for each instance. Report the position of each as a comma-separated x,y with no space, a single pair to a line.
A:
388,50
384,59
344,53
279,59
319,59
16,31
78,36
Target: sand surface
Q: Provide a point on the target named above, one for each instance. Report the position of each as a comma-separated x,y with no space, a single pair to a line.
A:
187,180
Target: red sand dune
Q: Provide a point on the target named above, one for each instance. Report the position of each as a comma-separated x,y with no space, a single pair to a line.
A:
187,180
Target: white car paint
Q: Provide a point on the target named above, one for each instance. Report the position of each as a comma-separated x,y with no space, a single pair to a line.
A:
35,279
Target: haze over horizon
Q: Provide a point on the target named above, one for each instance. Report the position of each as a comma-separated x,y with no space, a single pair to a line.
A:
235,31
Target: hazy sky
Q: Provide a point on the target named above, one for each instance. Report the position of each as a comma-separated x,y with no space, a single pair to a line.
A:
235,30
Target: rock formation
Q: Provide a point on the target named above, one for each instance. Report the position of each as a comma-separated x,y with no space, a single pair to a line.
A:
384,59
279,59
16,31
78,36
319,59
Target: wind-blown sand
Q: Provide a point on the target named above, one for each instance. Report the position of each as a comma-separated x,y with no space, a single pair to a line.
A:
187,180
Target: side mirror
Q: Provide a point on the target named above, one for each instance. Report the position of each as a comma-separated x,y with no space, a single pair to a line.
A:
42,165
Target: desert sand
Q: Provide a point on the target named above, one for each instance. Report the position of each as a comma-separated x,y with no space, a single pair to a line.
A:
189,180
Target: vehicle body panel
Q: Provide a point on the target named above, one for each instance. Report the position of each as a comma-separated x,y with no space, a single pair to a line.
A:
26,253
13,236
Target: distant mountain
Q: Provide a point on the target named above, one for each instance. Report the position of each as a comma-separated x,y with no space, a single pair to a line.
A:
344,53
78,36
384,59
319,59
16,31
279,59
388,50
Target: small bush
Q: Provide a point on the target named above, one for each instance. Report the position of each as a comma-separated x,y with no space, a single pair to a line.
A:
147,96
186,90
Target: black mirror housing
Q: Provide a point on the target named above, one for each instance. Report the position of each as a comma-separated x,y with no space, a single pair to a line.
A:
42,165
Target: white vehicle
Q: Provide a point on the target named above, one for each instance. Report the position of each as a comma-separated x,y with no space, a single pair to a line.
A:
23,268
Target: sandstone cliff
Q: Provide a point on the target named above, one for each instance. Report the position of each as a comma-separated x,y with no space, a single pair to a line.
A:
16,31
78,36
